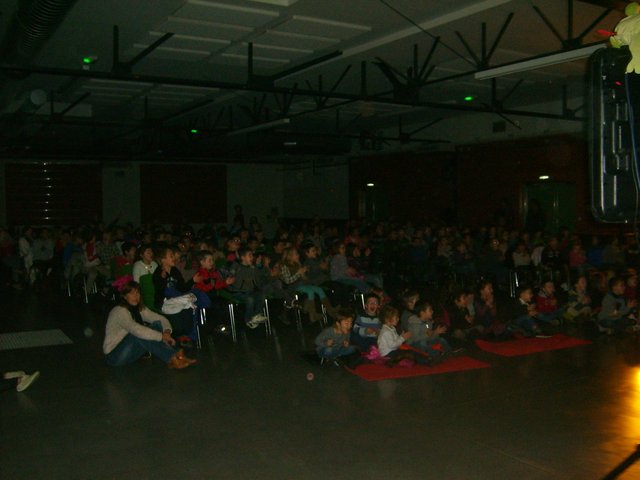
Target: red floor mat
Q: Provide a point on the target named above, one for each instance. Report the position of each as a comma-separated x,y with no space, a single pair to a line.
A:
373,372
526,346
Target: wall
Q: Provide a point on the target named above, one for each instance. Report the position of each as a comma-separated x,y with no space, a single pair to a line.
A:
121,193
316,190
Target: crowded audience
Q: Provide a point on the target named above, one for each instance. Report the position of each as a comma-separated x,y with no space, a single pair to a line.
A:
449,285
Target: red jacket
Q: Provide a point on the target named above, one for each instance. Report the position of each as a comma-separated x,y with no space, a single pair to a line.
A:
546,304
210,279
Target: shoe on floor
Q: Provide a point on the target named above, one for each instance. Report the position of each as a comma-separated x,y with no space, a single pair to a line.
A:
18,374
259,318
182,356
177,363
26,381
252,324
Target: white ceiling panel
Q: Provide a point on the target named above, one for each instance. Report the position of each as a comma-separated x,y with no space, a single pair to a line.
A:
322,27
280,3
119,83
188,42
185,26
170,53
287,39
224,13
270,51
241,60
186,89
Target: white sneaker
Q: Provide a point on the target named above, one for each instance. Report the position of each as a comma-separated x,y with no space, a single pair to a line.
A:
26,381
259,318
252,324
10,375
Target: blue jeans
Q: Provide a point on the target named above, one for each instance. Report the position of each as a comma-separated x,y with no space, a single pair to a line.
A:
253,303
427,346
335,351
527,323
549,317
311,291
361,285
131,348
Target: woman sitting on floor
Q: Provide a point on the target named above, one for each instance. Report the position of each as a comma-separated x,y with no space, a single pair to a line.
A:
132,330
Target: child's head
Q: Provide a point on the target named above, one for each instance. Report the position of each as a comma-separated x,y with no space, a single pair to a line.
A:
344,319
617,285
631,279
290,256
525,294
165,256
128,251
580,284
311,251
485,289
548,288
424,310
409,299
371,304
389,315
146,253
205,258
246,256
460,298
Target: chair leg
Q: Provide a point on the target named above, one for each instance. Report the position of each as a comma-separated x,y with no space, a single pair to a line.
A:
324,319
84,287
267,323
298,314
232,320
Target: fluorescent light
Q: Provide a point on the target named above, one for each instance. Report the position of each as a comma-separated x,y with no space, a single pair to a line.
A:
371,184
544,177
539,62
260,126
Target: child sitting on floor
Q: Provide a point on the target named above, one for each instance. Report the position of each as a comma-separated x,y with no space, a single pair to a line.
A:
524,314
547,304
367,326
617,314
425,335
333,341
579,303
389,341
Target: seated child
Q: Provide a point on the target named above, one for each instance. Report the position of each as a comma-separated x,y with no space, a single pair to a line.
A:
524,314
367,326
408,300
617,313
246,287
169,284
547,304
463,324
389,341
333,341
425,335
210,279
579,303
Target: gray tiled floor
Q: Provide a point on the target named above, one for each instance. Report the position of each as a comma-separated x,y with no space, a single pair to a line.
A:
248,411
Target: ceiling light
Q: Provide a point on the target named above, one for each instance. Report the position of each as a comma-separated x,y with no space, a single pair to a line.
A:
194,130
371,184
539,62
544,177
469,98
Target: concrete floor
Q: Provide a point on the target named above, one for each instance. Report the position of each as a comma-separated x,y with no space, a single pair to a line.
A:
248,411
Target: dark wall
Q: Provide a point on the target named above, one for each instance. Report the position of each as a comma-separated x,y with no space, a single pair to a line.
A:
472,184
492,174
415,186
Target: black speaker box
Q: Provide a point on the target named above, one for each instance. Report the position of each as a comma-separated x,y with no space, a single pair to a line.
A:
611,159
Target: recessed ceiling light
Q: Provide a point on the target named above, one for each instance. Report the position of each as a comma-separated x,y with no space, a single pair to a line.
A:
544,177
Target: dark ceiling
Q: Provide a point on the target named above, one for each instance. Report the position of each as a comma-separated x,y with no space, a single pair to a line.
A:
257,79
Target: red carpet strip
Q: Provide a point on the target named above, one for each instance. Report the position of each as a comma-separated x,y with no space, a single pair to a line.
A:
373,372
527,346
